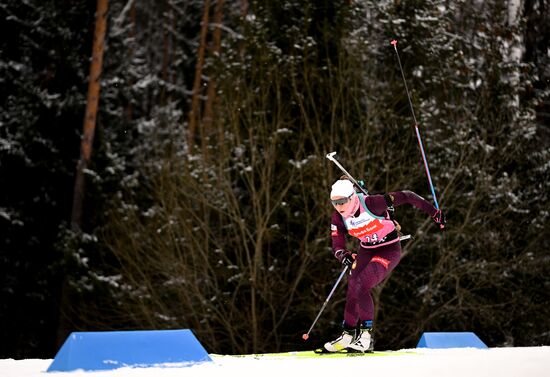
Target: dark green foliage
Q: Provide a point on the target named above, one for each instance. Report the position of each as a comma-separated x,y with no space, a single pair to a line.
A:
232,240
43,84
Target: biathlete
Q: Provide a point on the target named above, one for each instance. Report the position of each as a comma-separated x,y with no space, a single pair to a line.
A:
369,219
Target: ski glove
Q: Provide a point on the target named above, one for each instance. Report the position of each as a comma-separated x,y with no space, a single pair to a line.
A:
345,257
348,260
439,218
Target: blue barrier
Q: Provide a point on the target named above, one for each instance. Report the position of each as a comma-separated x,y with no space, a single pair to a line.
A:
450,340
115,349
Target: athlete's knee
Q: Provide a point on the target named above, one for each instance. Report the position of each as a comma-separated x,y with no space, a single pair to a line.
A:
377,270
385,263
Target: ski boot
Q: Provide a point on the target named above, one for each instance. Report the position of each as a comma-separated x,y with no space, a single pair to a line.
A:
341,343
364,341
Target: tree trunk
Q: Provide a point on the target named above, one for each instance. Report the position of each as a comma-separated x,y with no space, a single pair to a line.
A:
244,7
166,50
195,104
91,112
515,53
211,92
129,110
85,152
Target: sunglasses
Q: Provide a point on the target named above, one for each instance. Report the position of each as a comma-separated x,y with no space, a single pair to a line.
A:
339,202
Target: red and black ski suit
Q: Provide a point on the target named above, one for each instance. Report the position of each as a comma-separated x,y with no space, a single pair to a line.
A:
373,263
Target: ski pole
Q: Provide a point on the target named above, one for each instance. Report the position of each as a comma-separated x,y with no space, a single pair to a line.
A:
330,156
306,336
426,167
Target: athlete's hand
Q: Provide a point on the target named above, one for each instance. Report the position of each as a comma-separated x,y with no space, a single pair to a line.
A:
439,218
345,257
348,259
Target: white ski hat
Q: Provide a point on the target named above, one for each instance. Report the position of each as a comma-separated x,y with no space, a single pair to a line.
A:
342,187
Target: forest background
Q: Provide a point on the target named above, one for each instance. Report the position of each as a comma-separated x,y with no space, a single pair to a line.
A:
203,202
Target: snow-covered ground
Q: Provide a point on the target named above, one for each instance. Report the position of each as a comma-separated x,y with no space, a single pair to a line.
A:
458,362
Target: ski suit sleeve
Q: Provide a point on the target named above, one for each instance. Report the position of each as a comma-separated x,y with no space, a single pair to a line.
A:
409,197
338,235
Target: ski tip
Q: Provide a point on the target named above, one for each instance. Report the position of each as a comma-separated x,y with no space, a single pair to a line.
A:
394,42
305,337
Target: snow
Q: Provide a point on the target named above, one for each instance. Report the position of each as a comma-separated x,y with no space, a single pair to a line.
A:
457,362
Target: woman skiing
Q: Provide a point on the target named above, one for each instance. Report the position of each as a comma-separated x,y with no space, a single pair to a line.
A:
368,218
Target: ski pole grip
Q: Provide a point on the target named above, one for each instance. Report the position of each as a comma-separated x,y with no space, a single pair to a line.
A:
330,156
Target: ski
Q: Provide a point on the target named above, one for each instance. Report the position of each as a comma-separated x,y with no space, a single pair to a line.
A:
321,352
316,354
